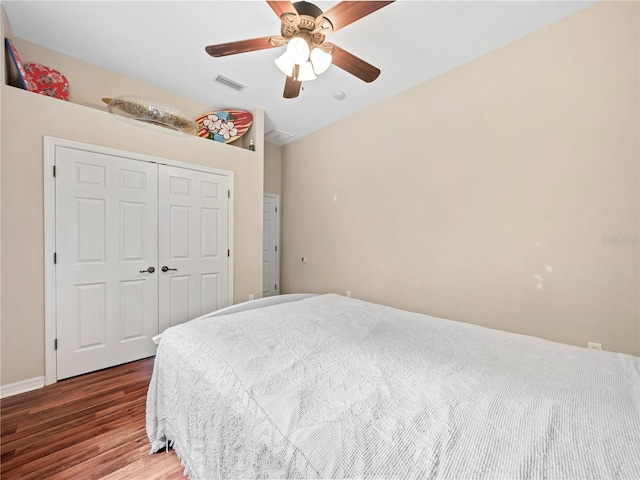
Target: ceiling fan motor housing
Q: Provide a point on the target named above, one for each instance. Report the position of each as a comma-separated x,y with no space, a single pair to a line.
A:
307,9
304,22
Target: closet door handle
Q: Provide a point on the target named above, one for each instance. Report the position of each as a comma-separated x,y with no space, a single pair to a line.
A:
166,269
148,270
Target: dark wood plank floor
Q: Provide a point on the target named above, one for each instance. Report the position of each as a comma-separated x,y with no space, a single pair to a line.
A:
89,427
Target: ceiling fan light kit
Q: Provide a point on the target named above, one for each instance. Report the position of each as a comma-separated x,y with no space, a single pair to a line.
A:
303,31
285,63
306,73
311,65
298,49
320,60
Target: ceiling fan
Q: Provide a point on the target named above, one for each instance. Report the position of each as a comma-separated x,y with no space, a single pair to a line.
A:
304,28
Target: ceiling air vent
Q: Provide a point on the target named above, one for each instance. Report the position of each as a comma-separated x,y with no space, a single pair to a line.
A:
227,82
277,136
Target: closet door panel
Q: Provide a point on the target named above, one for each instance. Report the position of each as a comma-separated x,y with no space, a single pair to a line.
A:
193,244
106,239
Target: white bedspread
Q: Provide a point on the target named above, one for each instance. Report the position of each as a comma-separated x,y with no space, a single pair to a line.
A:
331,387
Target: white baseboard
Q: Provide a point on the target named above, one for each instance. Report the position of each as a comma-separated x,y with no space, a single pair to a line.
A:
21,387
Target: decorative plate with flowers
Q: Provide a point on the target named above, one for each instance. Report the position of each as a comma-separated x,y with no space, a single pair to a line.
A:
224,126
46,81
38,78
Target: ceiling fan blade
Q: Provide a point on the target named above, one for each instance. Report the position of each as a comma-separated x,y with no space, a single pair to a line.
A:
352,64
291,86
243,46
345,13
287,13
281,7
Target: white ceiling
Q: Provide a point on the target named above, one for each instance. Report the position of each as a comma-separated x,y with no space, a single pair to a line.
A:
162,43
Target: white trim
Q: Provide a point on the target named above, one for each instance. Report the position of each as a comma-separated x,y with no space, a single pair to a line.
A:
50,144
50,371
232,209
21,387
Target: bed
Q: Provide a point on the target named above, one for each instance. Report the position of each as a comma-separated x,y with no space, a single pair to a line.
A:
324,386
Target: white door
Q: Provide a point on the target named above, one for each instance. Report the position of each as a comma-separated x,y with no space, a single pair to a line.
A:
193,244
106,240
270,241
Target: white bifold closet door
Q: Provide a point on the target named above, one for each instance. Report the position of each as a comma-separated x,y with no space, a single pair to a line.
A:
118,222
193,244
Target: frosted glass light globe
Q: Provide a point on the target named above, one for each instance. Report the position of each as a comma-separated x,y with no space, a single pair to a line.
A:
285,63
320,60
298,49
306,72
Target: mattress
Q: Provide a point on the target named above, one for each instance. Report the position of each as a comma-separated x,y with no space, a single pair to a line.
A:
333,387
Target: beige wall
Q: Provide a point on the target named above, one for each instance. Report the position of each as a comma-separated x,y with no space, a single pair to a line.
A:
26,117
488,194
272,168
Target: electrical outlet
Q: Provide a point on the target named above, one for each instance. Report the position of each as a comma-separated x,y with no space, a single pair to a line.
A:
251,296
595,346
348,293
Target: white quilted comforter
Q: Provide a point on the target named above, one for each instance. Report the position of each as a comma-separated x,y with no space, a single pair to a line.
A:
331,387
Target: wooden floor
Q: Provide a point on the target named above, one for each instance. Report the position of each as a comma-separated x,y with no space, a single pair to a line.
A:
87,427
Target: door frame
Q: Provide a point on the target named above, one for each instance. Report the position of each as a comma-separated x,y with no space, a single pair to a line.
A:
277,199
49,146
